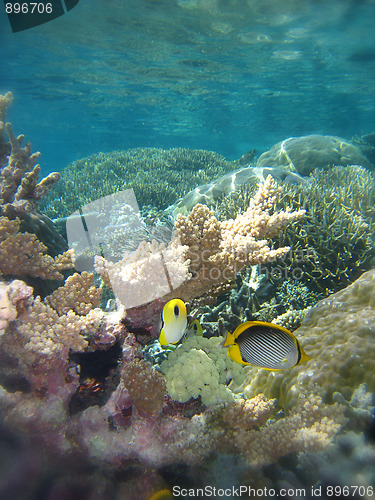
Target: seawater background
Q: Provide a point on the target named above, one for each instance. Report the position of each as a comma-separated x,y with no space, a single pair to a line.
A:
221,75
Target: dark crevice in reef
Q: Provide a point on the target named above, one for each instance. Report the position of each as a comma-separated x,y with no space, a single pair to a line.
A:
99,377
11,379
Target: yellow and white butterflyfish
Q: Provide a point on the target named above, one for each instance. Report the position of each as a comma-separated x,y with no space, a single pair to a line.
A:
265,345
174,318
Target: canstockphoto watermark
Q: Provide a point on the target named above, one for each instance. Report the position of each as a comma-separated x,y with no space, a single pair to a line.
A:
289,265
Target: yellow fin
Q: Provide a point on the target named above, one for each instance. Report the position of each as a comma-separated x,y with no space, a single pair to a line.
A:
304,357
229,339
162,338
235,354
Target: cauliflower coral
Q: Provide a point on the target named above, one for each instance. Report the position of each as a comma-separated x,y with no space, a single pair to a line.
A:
201,367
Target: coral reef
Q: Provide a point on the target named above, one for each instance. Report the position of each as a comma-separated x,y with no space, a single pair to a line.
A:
202,258
23,230
40,331
76,386
256,297
201,368
338,334
305,154
229,184
159,177
334,242
20,191
336,239
306,428
22,254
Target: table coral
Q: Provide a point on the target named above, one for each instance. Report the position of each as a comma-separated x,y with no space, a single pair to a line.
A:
338,335
158,176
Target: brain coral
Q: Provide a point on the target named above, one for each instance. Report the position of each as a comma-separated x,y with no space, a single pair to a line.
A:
304,154
339,335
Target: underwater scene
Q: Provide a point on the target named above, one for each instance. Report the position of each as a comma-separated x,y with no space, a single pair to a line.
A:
187,249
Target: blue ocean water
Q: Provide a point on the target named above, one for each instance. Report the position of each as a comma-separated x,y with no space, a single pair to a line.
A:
223,75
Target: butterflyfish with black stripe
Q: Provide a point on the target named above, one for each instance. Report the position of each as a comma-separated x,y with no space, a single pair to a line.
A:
175,322
265,345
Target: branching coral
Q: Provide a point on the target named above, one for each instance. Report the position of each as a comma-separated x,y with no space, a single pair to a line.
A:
78,294
40,331
219,250
334,242
203,257
20,190
159,177
22,254
310,426
337,233
13,299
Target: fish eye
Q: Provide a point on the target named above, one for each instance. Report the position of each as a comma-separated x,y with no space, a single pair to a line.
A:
176,311
195,327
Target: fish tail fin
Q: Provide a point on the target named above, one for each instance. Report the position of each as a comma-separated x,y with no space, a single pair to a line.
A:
304,357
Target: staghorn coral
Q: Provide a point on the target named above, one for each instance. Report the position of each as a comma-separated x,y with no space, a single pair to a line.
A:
336,235
22,254
157,176
338,334
146,387
334,242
